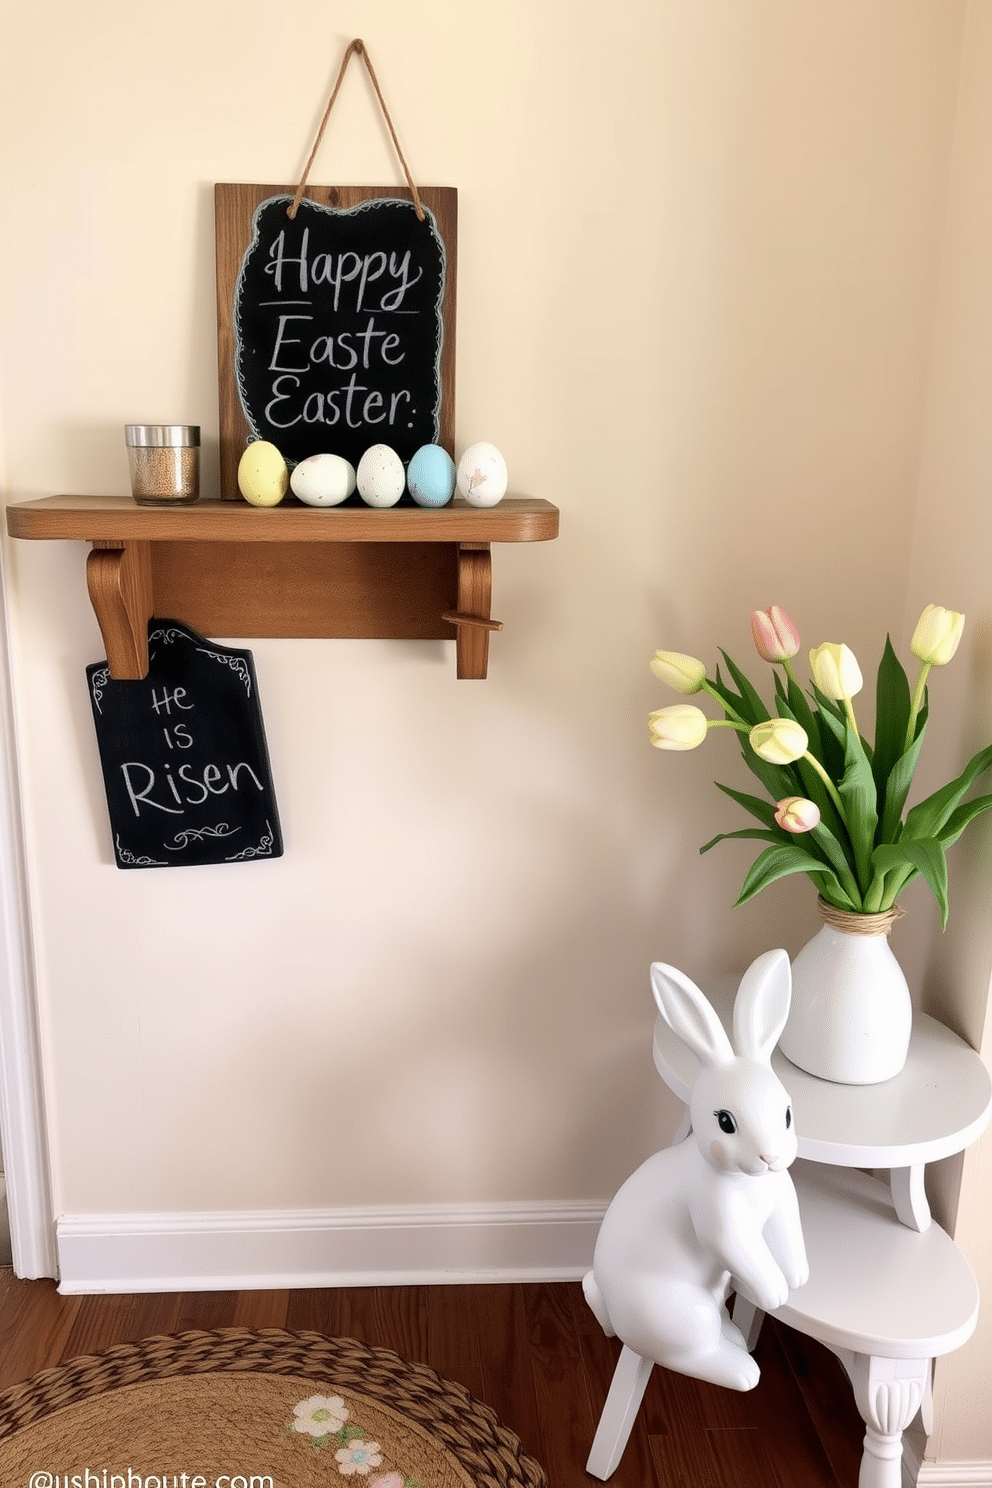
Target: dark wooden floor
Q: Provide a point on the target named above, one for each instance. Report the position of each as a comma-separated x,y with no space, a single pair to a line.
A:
533,1352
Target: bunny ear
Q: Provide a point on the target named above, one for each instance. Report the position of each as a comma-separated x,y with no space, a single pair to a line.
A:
689,1015
762,1005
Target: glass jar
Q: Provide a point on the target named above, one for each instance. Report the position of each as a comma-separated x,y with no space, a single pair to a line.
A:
164,460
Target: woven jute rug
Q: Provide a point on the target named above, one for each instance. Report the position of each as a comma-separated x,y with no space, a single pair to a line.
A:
242,1408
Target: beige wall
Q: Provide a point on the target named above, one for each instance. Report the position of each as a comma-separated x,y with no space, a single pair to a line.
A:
699,257
952,538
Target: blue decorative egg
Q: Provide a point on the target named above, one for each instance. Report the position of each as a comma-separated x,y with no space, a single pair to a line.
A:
430,476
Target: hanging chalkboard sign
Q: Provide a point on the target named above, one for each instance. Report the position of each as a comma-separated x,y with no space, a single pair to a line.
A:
336,324
184,759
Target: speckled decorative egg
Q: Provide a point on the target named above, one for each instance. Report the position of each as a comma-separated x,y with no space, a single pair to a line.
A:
263,476
323,480
430,476
482,475
380,476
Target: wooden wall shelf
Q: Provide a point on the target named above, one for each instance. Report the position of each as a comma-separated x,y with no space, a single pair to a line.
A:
229,569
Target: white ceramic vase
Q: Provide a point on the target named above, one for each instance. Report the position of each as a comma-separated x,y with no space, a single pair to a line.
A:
851,1014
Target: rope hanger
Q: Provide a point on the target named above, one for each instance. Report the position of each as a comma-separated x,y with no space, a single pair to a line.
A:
356,47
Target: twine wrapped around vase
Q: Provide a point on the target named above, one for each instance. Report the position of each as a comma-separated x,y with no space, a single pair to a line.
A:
856,922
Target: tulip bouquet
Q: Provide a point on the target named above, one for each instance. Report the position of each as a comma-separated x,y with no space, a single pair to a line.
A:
837,808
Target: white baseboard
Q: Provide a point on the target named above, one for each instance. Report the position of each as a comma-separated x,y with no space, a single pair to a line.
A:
954,1475
328,1247
918,1473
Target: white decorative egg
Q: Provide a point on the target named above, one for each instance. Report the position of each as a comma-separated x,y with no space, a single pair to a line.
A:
430,476
323,480
380,476
482,475
263,476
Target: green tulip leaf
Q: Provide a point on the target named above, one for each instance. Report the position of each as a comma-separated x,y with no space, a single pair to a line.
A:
892,705
727,694
832,731
924,712
777,862
752,832
828,705
897,788
757,805
833,851
800,779
782,705
856,789
812,786
804,715
959,819
821,842
885,887
792,704
835,716
836,724
778,780
925,856
829,893
756,711
928,817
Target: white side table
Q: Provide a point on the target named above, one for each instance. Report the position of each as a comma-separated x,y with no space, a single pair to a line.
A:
938,1105
886,1297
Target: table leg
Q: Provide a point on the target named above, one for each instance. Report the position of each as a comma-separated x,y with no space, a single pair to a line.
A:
909,1197
630,1380
888,1393
749,1317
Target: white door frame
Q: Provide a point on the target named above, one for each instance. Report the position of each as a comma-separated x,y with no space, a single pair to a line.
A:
22,1107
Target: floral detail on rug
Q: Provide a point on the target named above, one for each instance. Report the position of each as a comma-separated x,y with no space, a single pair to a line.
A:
326,1420
358,1457
320,1417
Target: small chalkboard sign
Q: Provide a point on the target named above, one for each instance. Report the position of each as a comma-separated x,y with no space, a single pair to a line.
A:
184,758
341,330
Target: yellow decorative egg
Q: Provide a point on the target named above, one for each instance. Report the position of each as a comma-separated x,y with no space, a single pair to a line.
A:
263,476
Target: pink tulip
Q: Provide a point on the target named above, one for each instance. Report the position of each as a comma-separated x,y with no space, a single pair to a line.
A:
795,814
776,637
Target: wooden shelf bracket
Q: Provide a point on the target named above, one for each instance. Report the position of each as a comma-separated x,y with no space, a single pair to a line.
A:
119,580
471,619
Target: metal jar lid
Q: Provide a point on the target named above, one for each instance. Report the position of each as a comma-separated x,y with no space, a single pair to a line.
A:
157,435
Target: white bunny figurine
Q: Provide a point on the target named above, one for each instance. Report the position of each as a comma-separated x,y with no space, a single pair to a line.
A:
717,1211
